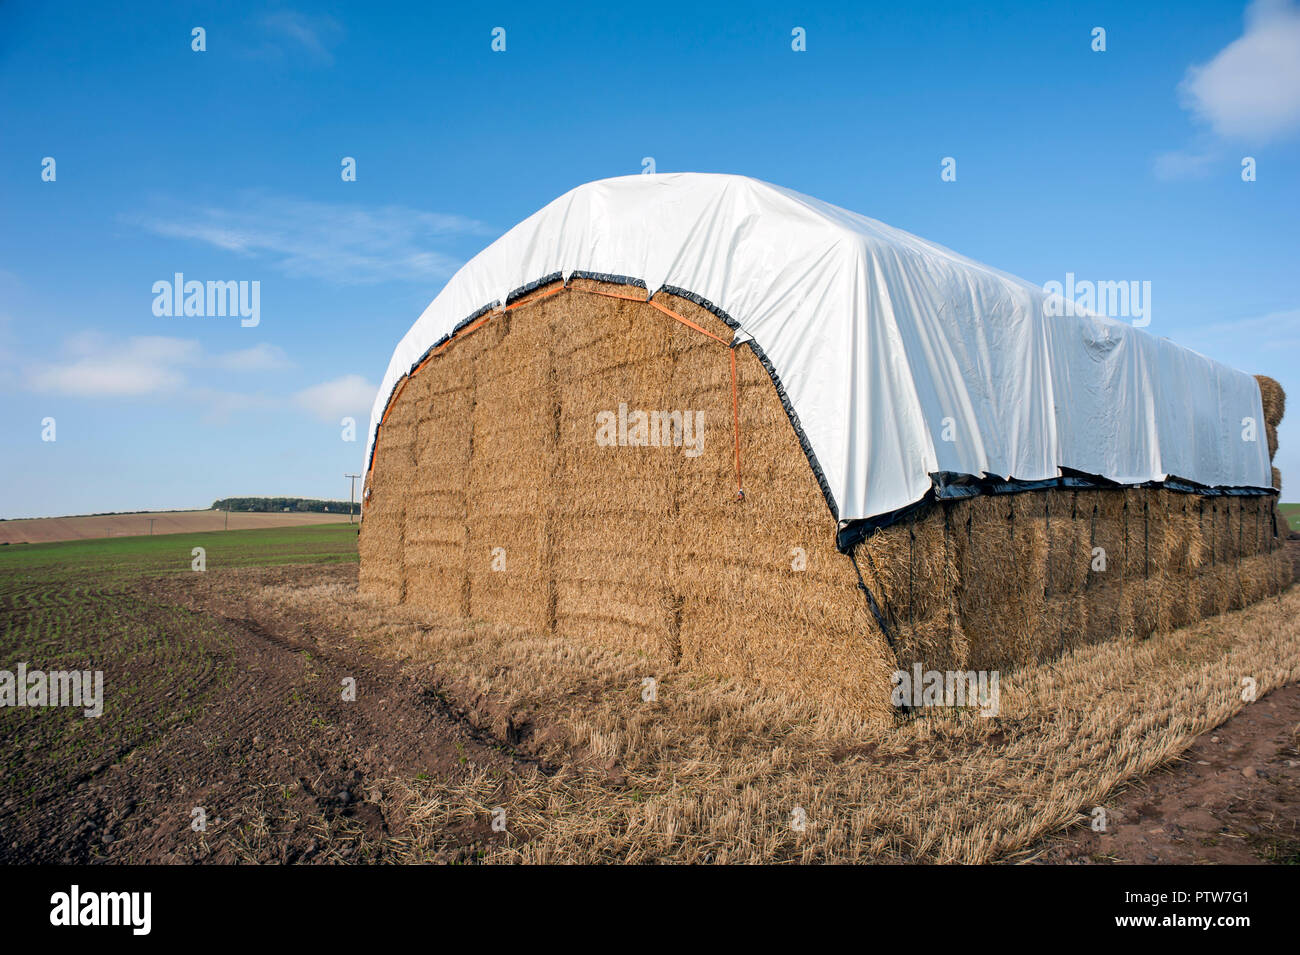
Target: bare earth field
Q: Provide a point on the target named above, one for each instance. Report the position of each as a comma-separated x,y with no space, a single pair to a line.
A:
40,530
223,693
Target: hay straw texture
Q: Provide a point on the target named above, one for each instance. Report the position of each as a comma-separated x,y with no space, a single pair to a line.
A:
999,581
1274,399
491,499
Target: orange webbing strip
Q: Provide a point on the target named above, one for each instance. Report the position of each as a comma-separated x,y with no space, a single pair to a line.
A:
469,328
735,423
735,394
401,386
596,291
688,323
649,301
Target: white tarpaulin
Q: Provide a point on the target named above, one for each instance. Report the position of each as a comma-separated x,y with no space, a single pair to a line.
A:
900,358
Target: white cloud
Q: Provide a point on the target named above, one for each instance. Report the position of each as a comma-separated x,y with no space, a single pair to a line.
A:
1250,90
261,357
337,242
331,400
1275,328
316,35
287,35
97,368
219,405
1186,164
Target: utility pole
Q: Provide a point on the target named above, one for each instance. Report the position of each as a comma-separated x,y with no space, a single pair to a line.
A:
352,493
151,520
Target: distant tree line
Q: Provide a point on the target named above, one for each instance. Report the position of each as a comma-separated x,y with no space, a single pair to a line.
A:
281,504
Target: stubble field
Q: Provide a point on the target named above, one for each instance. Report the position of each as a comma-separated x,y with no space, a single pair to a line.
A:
226,735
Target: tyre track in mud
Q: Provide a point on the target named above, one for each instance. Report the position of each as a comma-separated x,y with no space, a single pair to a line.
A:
514,733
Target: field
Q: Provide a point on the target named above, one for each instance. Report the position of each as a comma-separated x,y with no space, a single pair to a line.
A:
226,736
1292,514
40,530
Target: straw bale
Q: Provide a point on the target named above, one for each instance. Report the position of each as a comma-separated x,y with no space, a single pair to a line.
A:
649,551
1274,399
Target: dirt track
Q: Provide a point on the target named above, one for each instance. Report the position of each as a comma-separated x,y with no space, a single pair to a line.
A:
1234,798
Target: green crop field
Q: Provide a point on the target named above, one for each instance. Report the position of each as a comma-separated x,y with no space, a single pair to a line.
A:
1292,514
124,558
77,605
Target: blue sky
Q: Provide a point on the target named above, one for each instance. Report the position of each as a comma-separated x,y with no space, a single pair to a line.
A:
225,165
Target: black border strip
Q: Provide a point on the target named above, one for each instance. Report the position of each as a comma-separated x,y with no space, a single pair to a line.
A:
534,286
949,486
611,278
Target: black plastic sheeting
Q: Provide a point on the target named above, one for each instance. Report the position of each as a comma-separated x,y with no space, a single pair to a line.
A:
954,487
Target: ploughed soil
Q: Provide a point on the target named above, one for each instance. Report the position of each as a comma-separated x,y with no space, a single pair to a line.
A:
1233,797
43,530
273,739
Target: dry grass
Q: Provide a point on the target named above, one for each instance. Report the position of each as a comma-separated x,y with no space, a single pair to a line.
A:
715,768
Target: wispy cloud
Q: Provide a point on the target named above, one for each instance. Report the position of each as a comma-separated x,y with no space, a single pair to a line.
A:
331,400
1274,325
96,366
286,32
158,368
261,357
219,405
1191,163
1253,343
336,242
1248,93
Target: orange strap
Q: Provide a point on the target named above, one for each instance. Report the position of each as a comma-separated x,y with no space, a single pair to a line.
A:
687,322
596,291
735,394
735,423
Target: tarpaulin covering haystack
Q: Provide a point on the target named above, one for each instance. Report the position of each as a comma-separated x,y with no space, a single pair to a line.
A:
737,429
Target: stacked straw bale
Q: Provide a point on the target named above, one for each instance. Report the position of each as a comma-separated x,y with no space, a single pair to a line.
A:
490,450
1273,399
1033,574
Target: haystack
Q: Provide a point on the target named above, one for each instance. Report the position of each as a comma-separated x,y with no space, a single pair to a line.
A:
1273,399
710,535
490,499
